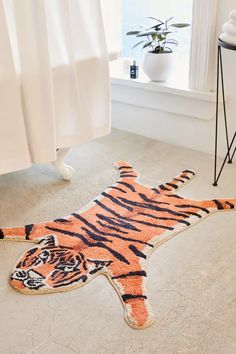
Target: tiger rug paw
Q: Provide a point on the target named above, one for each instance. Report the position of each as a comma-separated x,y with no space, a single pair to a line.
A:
113,236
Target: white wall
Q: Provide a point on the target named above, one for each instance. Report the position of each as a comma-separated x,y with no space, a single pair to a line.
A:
181,130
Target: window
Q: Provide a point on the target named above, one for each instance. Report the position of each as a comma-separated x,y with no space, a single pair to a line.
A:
135,13
195,55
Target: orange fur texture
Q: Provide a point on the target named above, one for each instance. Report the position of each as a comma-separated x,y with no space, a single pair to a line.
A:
113,236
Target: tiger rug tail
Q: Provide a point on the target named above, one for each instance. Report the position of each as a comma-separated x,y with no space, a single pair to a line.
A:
113,236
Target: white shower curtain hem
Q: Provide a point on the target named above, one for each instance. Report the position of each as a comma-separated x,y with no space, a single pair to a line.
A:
11,165
83,138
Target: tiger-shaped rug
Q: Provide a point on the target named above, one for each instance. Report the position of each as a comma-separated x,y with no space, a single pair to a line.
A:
113,235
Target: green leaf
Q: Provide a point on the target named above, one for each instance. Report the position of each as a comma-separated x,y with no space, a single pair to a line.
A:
157,26
172,41
169,50
164,32
180,25
161,38
132,33
168,19
137,44
156,19
157,49
147,44
145,33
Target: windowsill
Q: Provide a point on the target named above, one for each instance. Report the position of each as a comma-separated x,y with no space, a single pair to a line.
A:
173,96
165,87
177,85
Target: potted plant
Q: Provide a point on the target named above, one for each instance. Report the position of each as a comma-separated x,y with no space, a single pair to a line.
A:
157,60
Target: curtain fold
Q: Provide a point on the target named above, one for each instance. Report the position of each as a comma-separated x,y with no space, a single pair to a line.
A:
13,141
54,78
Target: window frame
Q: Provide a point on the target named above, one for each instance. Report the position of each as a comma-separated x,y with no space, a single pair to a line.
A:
203,45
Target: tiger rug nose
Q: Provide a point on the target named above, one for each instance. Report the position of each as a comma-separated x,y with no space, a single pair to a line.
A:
27,281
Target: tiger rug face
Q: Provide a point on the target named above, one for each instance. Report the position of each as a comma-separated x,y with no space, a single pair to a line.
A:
51,266
113,235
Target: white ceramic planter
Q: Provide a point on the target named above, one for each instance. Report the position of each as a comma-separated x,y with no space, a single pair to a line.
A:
157,66
229,29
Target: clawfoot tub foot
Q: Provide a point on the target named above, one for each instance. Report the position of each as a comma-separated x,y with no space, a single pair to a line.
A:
65,171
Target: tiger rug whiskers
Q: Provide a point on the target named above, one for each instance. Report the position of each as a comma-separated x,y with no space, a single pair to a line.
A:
113,235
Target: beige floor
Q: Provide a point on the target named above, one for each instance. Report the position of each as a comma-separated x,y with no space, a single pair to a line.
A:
192,278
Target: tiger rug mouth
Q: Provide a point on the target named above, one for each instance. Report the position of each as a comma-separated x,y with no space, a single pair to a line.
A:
29,280
113,235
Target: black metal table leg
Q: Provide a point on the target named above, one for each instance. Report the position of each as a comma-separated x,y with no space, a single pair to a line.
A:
232,156
217,116
225,159
220,73
224,106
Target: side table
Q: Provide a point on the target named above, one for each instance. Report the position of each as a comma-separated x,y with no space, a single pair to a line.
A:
230,151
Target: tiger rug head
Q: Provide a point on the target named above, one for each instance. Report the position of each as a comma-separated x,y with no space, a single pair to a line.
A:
50,266
113,235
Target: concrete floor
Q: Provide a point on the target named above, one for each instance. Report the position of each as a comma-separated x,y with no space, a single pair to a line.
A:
192,278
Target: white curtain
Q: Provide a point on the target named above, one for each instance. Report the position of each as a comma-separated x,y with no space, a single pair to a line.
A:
54,79
112,17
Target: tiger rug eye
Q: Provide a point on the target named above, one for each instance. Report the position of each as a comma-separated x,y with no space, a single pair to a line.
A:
113,235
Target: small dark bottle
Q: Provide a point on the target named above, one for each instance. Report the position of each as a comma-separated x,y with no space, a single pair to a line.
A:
134,70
